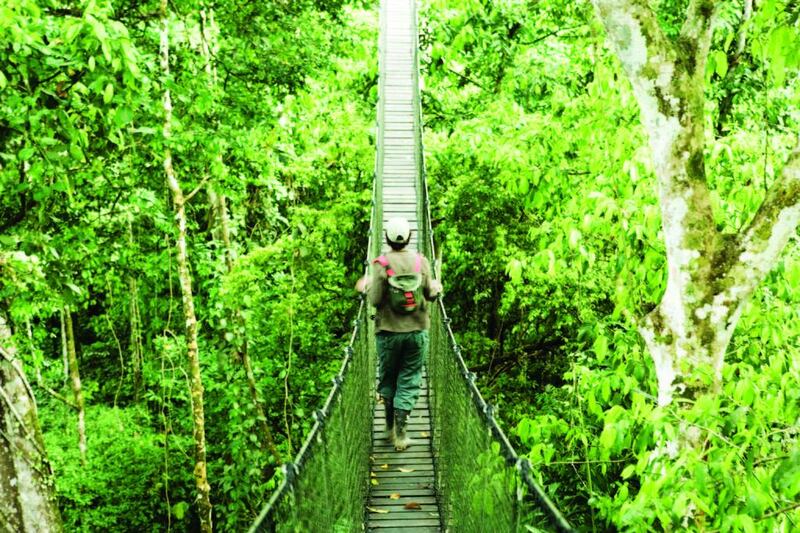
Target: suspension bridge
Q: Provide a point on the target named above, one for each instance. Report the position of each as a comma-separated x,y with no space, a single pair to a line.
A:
461,472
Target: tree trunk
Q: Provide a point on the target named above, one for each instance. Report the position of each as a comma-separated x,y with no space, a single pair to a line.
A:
75,381
741,40
64,356
135,341
710,275
27,496
135,321
195,381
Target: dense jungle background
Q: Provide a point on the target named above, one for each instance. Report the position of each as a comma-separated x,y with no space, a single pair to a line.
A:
546,213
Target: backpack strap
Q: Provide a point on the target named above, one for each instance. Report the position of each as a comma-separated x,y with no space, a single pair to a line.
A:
384,262
418,264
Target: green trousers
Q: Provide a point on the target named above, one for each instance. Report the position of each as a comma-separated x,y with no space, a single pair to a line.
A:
400,360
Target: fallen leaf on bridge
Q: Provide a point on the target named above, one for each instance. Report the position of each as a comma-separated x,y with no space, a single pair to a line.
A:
379,511
405,470
412,505
395,496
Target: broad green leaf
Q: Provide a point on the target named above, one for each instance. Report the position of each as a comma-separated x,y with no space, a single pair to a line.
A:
108,93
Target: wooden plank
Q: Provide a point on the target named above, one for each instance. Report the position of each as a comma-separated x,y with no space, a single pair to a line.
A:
382,457
420,480
399,486
403,529
423,427
423,417
387,501
398,510
399,202
401,211
390,464
417,415
390,456
414,426
417,439
380,445
375,520
395,472
409,491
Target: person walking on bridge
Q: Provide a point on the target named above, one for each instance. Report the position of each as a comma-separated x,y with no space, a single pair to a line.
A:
399,287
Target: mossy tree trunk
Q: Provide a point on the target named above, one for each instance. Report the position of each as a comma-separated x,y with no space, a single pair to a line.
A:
75,382
711,275
27,490
195,381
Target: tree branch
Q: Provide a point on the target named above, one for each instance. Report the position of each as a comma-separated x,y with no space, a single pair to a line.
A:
467,79
772,226
552,33
634,32
55,394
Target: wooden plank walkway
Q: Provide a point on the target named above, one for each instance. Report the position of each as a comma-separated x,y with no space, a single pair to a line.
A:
402,497
399,146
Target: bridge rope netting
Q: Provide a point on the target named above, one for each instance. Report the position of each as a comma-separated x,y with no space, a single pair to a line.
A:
481,483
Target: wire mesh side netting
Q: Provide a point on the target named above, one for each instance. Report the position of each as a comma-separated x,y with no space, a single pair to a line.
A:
325,488
482,484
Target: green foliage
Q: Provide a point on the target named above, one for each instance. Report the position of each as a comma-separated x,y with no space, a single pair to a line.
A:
124,487
279,125
549,226
546,212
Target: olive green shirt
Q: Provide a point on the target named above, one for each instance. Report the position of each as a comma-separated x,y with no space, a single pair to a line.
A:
402,262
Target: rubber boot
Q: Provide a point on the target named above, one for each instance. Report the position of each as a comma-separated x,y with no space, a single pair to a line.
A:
389,410
401,441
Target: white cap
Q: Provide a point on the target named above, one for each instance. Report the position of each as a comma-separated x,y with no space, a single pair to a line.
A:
397,230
